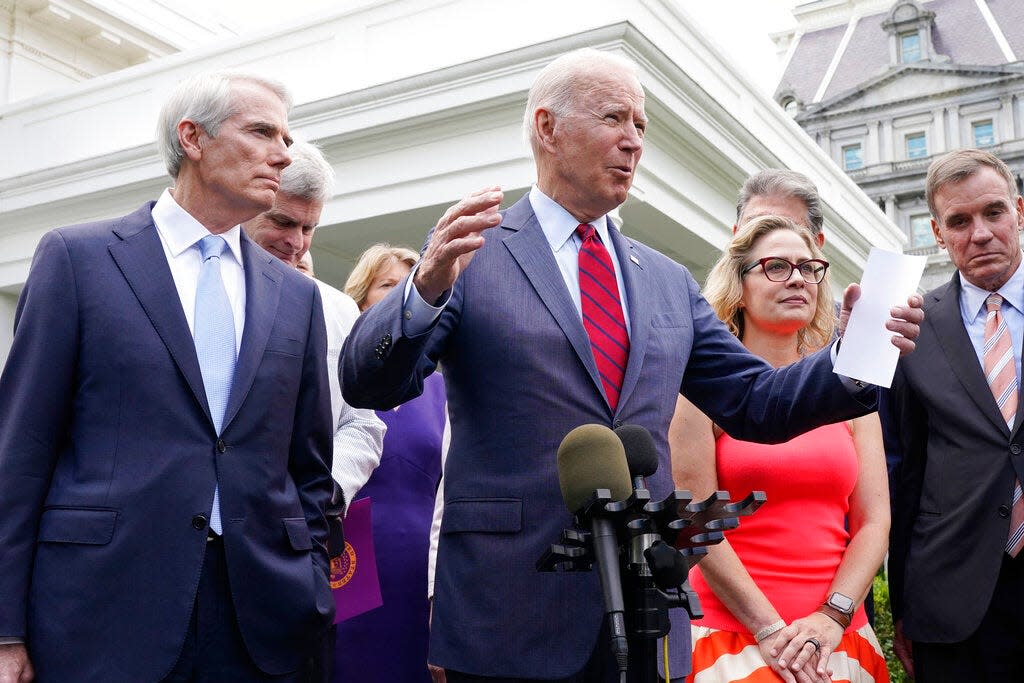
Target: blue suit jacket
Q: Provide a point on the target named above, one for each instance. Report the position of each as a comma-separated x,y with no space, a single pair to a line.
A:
108,455
520,375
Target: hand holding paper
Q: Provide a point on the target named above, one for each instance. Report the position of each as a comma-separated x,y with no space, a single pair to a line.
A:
887,304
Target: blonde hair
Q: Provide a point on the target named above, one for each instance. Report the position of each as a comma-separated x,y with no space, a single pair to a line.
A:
370,265
724,286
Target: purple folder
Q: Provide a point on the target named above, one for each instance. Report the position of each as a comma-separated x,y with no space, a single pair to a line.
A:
354,578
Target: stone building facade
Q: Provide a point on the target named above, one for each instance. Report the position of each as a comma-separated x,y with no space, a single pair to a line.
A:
884,87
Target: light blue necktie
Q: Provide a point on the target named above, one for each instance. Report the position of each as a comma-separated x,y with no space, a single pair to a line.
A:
215,341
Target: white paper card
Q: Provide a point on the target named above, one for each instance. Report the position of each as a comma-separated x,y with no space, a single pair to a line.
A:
867,352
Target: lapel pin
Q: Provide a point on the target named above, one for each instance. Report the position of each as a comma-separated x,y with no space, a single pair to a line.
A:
634,259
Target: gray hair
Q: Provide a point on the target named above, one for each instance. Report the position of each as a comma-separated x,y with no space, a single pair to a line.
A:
310,176
959,165
566,80
780,182
207,100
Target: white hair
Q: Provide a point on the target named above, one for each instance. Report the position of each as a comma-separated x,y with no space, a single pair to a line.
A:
207,100
309,176
566,80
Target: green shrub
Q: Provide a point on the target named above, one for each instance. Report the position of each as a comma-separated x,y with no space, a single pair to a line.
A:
883,628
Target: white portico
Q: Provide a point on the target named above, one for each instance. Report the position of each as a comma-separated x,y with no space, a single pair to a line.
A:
416,103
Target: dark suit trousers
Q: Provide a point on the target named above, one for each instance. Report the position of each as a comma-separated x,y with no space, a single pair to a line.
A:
600,668
993,654
214,651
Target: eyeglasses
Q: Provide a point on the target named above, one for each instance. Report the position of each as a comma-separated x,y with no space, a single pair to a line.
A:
780,270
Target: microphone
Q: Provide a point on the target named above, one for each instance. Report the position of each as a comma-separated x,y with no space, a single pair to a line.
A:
592,457
642,460
641,453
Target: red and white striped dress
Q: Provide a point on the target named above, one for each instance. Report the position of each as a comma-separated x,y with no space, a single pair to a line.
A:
791,547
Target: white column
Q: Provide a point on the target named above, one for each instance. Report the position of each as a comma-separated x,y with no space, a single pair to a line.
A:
890,207
955,137
872,153
937,144
8,303
887,153
1005,118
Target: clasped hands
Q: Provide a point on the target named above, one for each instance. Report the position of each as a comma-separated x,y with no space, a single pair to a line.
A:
792,654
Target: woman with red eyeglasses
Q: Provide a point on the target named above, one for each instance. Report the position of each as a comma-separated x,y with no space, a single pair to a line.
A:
785,589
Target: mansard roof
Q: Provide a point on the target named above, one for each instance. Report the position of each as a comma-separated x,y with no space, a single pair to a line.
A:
961,35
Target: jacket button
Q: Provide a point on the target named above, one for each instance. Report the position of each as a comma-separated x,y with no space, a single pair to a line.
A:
617,424
1015,449
199,522
1004,510
221,446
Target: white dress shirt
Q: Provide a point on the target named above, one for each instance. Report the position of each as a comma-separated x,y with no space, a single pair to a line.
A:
358,432
179,234
973,313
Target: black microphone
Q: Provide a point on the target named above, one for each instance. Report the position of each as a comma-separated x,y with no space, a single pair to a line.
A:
592,457
641,453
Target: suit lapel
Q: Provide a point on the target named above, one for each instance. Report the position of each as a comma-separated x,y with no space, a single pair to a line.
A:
961,357
638,291
140,257
532,252
262,293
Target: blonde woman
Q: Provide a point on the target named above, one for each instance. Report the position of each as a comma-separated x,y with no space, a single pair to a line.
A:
787,586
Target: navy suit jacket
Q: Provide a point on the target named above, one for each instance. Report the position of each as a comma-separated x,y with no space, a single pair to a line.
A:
520,375
953,484
109,459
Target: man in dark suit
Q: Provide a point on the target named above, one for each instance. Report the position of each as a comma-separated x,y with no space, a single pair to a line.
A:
153,526
521,332
956,577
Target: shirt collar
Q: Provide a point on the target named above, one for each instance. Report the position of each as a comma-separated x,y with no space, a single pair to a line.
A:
558,224
179,230
974,297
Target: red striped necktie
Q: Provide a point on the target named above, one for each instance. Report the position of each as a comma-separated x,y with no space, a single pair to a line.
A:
1001,374
602,313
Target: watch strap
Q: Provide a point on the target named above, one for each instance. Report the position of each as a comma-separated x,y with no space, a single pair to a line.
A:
835,615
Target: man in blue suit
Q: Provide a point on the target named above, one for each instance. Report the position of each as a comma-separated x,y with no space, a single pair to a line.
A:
153,526
513,331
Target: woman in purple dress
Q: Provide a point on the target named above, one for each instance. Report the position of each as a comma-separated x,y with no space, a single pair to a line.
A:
389,644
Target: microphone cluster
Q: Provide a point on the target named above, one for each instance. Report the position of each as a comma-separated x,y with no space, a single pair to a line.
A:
652,543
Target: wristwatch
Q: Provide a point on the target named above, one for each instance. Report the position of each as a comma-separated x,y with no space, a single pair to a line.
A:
839,608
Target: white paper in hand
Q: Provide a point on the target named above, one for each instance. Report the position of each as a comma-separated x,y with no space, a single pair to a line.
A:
867,352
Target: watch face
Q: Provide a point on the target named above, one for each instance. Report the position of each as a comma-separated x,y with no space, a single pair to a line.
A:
841,602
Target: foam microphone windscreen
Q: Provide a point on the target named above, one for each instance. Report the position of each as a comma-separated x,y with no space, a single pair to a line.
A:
591,457
641,453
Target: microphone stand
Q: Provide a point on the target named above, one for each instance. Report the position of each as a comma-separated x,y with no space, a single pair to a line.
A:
661,541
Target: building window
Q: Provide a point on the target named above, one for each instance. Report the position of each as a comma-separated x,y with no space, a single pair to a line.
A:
921,234
917,146
853,158
910,47
983,135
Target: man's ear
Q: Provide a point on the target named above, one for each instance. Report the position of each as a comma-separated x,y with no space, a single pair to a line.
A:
820,237
938,235
544,126
189,135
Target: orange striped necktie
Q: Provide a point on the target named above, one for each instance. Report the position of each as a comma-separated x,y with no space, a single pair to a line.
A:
602,312
1001,374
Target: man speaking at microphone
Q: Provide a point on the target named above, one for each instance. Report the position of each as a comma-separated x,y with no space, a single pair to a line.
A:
559,320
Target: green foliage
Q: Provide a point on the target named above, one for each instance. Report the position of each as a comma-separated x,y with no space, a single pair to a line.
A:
883,628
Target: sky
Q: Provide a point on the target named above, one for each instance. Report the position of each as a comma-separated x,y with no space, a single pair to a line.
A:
740,28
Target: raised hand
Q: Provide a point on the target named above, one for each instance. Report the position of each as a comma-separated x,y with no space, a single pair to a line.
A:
454,240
